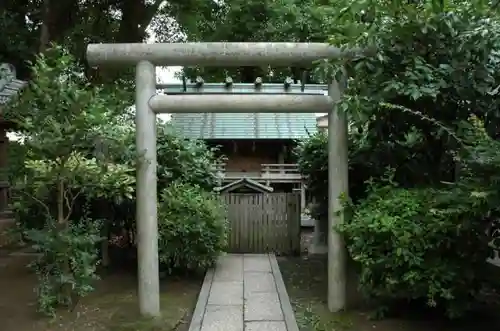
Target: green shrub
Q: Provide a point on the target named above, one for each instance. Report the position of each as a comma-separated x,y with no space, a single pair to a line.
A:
419,245
192,228
66,266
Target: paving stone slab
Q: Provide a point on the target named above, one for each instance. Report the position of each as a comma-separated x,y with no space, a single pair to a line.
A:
229,268
226,293
263,307
256,263
258,282
265,326
243,294
223,318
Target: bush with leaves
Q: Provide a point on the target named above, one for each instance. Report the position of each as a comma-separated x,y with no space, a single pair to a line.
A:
431,244
57,274
181,160
187,160
427,245
192,228
312,161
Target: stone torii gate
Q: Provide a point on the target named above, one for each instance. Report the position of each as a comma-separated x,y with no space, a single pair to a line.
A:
148,103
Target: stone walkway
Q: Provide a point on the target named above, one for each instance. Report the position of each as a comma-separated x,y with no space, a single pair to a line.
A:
244,293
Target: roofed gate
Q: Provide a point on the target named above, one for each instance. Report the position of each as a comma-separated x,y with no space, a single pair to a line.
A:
261,221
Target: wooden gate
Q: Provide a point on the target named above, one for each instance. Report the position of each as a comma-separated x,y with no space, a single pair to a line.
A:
263,222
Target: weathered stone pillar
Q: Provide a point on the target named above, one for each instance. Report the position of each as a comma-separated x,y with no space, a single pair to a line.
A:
147,218
319,243
303,202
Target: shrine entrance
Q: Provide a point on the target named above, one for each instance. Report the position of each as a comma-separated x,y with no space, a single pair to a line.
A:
148,103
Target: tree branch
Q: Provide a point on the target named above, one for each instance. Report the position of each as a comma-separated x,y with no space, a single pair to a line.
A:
70,203
44,205
150,13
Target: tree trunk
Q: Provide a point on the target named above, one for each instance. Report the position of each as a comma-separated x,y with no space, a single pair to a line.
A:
104,213
45,30
62,224
136,17
61,220
105,258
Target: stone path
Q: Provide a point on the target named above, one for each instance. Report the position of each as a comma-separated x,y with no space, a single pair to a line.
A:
244,293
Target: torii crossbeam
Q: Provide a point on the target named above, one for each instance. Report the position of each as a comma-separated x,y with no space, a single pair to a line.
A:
148,103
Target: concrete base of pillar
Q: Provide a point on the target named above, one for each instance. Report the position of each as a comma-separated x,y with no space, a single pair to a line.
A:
319,243
317,249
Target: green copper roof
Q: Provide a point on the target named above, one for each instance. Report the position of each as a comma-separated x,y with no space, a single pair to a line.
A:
244,125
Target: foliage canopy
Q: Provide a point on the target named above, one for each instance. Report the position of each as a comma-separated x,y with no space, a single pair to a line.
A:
75,183
425,106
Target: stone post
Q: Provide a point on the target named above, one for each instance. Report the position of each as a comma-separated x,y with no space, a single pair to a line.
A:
147,222
319,243
303,201
337,186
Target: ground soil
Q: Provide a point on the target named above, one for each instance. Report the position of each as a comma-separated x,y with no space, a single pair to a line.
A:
112,306
306,282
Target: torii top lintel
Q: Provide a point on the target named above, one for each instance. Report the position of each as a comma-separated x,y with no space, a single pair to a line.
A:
214,54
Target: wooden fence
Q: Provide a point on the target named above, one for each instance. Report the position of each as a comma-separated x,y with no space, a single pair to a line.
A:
263,222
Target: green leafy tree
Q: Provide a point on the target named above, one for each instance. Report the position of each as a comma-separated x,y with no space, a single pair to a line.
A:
33,25
435,64
258,21
434,71
58,113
